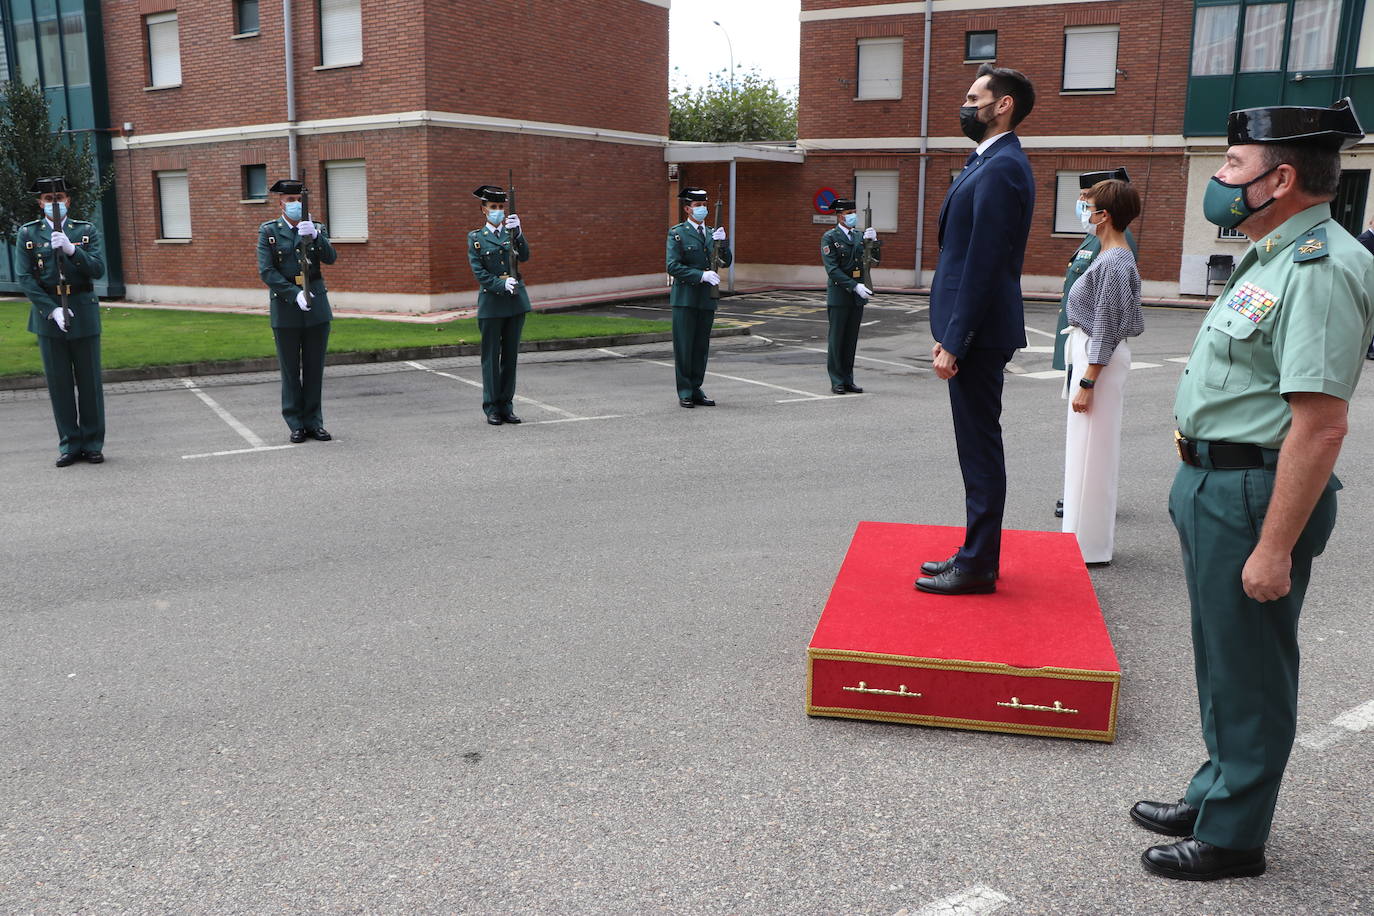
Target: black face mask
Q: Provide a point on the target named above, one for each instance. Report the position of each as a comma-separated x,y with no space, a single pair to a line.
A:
972,127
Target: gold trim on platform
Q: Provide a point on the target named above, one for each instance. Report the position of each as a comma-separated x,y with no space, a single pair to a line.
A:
1057,707
911,661
901,690
981,725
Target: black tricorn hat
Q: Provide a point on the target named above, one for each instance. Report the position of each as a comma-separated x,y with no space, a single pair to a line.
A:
54,185
491,194
840,204
693,194
288,186
1336,128
1088,179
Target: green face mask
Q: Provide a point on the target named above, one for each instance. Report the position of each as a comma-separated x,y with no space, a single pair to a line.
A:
1225,205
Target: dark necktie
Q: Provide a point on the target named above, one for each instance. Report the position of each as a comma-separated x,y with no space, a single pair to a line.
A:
701,231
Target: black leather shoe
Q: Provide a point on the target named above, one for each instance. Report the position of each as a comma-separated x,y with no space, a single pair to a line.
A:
954,581
686,402
495,419
702,400
511,418
67,459
1162,817
319,433
297,435
837,389
94,457
935,567
852,388
1190,859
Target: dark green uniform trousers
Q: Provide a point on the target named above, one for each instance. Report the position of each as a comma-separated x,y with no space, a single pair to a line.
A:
691,346
300,353
1245,652
844,340
72,368
500,348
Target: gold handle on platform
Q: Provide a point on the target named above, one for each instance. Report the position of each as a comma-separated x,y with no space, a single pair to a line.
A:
901,690
1057,707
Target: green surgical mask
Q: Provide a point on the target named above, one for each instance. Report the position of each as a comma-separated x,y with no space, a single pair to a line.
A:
1225,205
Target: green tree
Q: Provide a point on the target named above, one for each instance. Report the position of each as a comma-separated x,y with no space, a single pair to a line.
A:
30,148
755,109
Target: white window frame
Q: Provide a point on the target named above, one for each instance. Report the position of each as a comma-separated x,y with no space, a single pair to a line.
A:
1326,42
872,80
174,205
1214,53
346,199
164,71
1364,57
1268,38
885,184
341,33
1092,42
1066,191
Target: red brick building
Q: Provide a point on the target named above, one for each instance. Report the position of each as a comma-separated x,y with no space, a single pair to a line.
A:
396,111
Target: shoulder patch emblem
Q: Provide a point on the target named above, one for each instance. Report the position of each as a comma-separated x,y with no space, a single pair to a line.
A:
825,249
1311,246
1252,302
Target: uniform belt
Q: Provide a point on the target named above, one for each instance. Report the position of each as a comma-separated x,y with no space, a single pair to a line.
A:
71,289
1224,456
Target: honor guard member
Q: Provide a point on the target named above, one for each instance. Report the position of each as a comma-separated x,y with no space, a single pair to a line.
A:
842,253
502,301
58,256
300,323
694,311
1082,259
1261,413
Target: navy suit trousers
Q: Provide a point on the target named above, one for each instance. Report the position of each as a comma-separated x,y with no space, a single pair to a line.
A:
975,399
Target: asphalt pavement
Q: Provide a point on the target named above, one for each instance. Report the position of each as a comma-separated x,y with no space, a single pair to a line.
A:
439,667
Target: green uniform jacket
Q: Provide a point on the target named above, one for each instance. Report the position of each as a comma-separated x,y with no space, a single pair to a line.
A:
843,257
489,258
688,259
279,266
1082,259
33,254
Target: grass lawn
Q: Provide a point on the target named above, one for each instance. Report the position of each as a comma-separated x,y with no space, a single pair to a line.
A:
153,337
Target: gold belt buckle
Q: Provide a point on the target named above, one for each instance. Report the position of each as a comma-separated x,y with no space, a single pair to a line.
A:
1181,443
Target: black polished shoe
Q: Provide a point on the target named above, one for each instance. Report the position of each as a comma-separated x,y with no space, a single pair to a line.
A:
94,457
851,388
1059,508
686,402
936,567
1191,859
298,435
954,581
837,389
1162,817
320,434
702,400
67,459
510,418
494,419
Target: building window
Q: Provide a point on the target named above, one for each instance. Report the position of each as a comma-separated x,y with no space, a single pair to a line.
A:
246,16
1261,48
50,48
1066,191
1214,40
980,45
880,68
255,182
881,189
345,186
164,50
1364,58
174,205
1313,45
341,32
74,49
1090,58
25,46
1232,235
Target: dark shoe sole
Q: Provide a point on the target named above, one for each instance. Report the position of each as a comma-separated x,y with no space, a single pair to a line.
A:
1160,828
975,590
1235,871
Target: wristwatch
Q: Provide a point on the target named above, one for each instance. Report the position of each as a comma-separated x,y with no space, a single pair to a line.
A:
1086,382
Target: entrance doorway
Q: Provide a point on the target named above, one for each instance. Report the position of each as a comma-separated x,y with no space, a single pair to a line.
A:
1348,207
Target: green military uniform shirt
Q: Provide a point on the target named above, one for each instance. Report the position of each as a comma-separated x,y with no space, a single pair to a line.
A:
489,252
280,268
1296,316
689,256
37,275
842,253
1078,265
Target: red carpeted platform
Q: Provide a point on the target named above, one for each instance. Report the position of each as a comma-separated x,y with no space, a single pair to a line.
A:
1033,658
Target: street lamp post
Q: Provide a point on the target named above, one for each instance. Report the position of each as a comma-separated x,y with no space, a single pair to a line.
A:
731,45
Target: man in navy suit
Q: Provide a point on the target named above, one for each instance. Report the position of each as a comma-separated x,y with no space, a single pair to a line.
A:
976,314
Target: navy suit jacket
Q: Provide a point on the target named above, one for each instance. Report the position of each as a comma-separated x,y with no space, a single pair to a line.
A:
1366,239
975,300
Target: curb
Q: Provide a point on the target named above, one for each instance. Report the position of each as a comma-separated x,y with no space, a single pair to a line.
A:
269,363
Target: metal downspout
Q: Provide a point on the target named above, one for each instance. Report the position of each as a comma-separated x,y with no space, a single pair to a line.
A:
289,51
925,148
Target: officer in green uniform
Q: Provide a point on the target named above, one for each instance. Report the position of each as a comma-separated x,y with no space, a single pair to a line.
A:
842,253
694,310
1079,263
300,322
493,252
1261,413
54,254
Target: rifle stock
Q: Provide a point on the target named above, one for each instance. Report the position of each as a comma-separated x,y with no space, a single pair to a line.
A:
868,258
513,257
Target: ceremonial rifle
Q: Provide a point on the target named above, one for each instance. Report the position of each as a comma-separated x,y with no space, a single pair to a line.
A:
514,259
303,246
715,246
62,286
868,258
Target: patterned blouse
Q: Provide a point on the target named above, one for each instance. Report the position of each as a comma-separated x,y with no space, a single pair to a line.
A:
1105,303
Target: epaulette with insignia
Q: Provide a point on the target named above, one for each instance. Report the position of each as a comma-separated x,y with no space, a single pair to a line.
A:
1311,246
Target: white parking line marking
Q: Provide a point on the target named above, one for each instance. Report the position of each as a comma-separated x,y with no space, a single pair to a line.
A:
1145,365
1357,719
805,395
870,359
1040,332
972,901
609,416
248,435
1037,349
1047,373
1343,726
240,451
519,397
868,324
1177,359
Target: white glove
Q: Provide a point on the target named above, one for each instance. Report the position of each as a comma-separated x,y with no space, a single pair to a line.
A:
719,234
711,277
862,291
60,240
870,233
302,301
308,229
511,284
512,223
60,317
